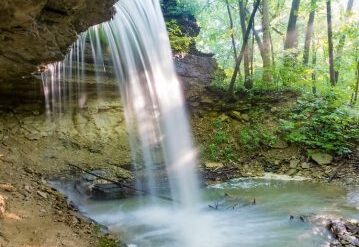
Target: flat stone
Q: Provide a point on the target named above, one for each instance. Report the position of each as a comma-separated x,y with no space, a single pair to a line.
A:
322,158
292,172
305,165
294,163
42,194
213,165
235,115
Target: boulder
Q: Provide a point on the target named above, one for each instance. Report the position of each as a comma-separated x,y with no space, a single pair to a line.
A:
294,163
305,165
322,158
292,172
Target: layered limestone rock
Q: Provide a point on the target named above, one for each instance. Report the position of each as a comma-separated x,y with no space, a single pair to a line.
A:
34,32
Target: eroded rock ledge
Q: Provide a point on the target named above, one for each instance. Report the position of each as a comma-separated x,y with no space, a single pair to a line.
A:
40,31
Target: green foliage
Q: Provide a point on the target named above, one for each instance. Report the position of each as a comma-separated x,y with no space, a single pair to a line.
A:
322,123
180,42
253,137
220,147
221,79
105,242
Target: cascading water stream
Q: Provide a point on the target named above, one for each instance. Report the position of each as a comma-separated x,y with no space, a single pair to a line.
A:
140,55
134,48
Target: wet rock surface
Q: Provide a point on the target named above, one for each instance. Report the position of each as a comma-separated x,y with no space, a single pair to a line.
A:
346,232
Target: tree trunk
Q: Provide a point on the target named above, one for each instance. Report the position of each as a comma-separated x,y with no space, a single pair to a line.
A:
355,98
267,70
245,41
259,43
309,33
248,84
314,62
272,51
252,52
342,42
330,44
231,26
291,40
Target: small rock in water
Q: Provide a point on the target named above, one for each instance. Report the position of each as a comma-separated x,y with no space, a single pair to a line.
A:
322,158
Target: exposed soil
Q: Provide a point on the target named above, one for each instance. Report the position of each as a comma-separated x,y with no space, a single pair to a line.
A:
36,215
33,150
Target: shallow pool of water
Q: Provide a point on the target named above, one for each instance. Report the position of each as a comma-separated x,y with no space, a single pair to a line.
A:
228,216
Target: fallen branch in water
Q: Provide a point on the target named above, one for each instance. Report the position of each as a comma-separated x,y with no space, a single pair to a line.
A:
121,185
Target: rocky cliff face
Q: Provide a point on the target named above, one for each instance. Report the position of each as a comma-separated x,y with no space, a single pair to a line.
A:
34,32
40,31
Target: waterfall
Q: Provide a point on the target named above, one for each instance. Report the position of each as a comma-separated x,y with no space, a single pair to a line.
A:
137,44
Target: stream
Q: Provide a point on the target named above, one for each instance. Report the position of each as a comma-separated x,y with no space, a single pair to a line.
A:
285,213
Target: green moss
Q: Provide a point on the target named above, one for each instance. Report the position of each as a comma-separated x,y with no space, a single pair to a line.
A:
180,42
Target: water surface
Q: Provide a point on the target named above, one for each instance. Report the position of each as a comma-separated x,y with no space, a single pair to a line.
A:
232,219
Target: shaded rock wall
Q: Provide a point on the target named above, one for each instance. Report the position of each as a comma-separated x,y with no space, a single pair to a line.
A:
33,32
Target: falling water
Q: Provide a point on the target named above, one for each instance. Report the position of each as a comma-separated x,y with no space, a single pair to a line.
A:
140,56
151,93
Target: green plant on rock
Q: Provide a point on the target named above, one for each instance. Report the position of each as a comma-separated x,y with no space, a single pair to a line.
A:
219,147
180,42
255,136
322,123
105,242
